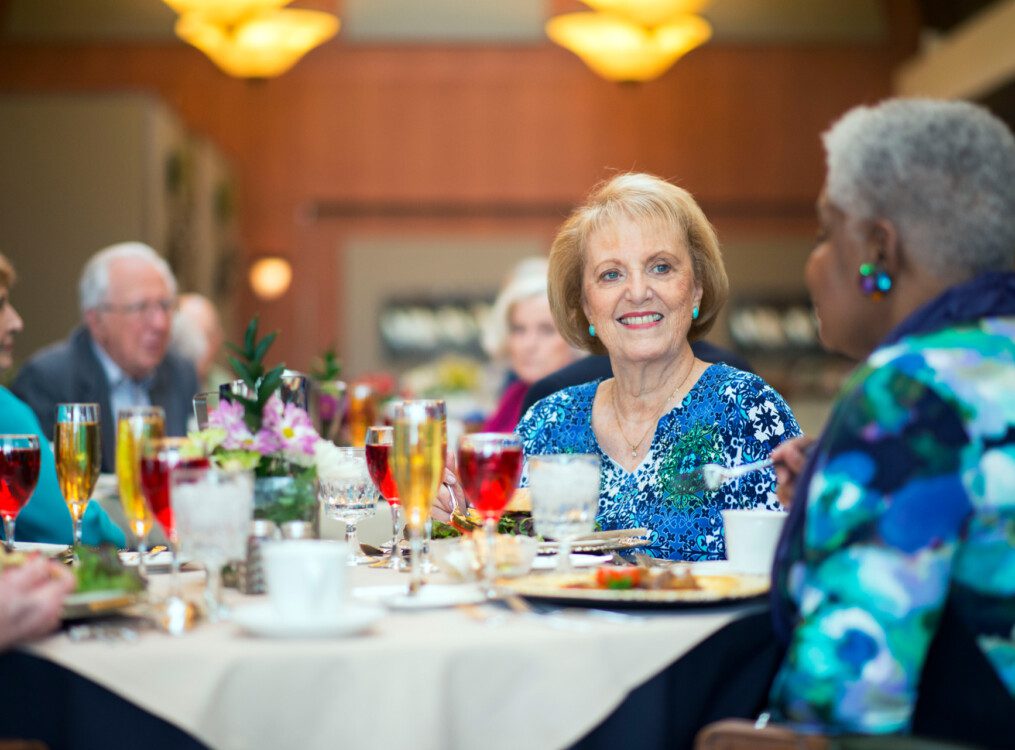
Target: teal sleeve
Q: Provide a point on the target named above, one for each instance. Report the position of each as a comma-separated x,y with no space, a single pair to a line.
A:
45,518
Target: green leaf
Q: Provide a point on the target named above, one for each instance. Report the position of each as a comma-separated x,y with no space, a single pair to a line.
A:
250,337
262,348
242,371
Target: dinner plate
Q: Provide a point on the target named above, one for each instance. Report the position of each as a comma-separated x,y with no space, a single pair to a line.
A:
609,544
49,550
263,620
96,604
577,561
157,563
430,596
567,588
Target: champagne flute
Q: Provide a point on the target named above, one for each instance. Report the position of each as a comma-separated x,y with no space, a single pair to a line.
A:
349,495
212,510
565,499
489,466
361,412
134,425
76,441
379,440
160,456
19,472
417,461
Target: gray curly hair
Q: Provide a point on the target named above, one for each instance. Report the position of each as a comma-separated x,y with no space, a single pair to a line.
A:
942,171
94,283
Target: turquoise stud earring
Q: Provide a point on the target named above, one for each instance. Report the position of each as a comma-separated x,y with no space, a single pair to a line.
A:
694,313
592,330
874,280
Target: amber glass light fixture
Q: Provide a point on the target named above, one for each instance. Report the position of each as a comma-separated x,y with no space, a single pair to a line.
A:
252,38
634,40
270,277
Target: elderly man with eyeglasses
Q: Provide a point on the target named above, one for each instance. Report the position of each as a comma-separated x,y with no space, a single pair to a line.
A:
119,356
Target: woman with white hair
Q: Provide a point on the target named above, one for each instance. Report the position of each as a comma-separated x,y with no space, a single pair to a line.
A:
521,333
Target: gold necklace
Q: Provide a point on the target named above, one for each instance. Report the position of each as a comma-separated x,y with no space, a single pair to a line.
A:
635,447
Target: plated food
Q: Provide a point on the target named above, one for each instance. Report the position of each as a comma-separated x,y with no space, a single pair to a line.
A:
609,586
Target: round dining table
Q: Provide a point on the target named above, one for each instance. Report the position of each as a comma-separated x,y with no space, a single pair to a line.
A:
468,676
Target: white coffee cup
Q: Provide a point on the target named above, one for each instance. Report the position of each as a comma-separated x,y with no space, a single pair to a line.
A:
305,577
751,538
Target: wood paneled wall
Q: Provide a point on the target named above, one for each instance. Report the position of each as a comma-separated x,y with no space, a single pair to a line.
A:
360,128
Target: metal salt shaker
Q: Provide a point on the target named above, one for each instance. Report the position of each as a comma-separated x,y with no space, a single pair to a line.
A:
251,570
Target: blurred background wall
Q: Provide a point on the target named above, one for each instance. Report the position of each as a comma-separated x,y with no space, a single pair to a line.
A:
418,154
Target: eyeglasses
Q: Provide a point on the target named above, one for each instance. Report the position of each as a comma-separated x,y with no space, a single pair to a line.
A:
143,309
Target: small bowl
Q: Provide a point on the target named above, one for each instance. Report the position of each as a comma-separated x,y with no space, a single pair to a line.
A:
462,559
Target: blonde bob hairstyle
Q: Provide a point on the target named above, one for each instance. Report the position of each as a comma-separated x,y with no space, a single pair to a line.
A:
7,275
648,201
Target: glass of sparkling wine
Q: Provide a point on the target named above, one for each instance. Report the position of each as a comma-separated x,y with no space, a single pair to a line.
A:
489,466
565,499
134,426
378,450
77,445
417,461
348,494
212,510
361,412
19,472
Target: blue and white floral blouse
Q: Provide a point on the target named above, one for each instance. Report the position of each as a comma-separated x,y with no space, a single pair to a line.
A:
729,417
911,505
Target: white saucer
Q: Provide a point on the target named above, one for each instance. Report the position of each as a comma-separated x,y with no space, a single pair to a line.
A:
158,562
578,560
263,620
431,596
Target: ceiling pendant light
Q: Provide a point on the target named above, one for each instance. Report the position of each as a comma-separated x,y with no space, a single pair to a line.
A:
647,12
621,49
252,38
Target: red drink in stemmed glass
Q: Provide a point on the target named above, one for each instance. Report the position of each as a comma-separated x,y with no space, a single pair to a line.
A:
158,458
380,471
19,473
489,466
489,477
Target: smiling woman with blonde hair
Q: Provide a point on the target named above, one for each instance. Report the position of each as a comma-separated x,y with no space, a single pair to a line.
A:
637,273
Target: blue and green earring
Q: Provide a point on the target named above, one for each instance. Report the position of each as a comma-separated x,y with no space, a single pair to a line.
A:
694,313
874,280
592,330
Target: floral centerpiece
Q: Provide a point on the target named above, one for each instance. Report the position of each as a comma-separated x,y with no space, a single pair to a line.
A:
255,429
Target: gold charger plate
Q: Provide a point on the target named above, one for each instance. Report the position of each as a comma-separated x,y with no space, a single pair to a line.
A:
96,604
714,590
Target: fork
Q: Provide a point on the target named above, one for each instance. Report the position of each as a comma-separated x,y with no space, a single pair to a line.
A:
713,476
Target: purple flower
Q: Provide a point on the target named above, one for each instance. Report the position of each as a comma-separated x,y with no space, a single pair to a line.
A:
229,417
290,426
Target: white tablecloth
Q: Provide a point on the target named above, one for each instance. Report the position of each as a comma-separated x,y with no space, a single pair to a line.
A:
435,679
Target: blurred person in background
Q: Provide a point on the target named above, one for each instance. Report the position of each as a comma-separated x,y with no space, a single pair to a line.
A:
636,273
119,356
197,336
521,333
45,518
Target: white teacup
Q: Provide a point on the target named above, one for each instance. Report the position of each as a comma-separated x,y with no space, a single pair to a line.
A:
305,577
751,538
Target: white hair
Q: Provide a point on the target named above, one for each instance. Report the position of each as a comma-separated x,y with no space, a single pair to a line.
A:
188,338
528,279
943,172
94,283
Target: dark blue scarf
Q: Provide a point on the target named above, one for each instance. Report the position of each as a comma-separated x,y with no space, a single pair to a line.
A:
986,296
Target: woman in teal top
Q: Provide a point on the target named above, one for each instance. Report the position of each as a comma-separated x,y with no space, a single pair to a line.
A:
45,518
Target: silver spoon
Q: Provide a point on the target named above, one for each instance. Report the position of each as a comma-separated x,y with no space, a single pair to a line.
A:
713,476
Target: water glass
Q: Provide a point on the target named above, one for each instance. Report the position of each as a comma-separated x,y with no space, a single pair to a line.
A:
212,510
565,499
348,494
204,404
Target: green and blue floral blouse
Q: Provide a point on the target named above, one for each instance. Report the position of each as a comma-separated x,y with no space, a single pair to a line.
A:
911,505
729,417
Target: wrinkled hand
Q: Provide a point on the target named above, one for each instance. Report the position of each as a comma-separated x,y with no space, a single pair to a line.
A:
449,495
790,458
31,597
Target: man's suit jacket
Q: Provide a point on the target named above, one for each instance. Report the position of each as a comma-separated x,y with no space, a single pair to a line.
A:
69,372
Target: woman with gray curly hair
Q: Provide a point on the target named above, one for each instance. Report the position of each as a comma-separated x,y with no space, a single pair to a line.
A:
893,585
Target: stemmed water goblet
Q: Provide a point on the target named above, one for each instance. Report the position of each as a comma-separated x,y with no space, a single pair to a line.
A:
379,440
565,499
76,444
417,461
212,510
489,466
348,494
134,426
19,473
